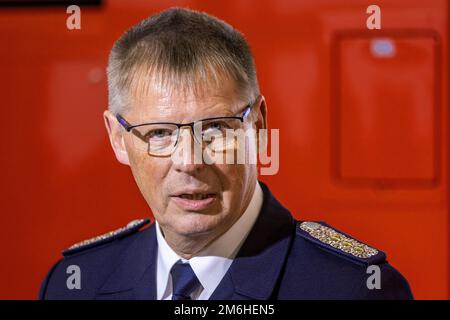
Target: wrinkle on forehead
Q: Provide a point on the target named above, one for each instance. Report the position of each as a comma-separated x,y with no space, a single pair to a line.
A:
151,87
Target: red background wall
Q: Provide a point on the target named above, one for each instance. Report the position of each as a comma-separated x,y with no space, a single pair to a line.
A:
364,138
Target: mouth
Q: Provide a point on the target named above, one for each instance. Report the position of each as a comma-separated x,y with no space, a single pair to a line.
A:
196,196
194,201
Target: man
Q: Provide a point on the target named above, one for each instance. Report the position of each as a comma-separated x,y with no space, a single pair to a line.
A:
178,80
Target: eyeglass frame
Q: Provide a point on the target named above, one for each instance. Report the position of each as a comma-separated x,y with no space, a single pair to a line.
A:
128,127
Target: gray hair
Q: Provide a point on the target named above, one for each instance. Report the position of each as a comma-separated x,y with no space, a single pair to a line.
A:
183,49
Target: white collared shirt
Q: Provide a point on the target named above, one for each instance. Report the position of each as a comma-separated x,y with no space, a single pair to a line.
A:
211,264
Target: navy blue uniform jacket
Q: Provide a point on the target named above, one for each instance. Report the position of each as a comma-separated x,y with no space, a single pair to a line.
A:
278,260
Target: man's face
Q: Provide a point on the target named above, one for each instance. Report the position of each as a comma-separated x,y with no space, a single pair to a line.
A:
187,199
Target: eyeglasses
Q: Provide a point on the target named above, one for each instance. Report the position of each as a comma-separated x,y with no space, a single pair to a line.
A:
161,138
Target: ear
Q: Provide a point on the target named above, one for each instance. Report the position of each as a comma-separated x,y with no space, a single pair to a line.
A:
261,109
115,133
261,122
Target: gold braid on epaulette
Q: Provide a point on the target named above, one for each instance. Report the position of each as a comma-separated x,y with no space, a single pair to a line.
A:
106,235
338,240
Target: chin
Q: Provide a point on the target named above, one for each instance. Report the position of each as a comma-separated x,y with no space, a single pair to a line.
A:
196,224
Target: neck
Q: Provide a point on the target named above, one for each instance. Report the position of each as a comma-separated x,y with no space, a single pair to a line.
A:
187,247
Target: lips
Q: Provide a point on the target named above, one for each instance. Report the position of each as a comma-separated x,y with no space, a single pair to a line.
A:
194,200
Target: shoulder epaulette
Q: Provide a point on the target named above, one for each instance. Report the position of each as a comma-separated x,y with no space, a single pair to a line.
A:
130,228
338,242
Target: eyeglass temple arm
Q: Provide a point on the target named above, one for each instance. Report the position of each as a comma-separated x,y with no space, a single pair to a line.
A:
247,110
124,122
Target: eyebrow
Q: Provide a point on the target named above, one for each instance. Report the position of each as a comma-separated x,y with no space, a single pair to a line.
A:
128,125
209,114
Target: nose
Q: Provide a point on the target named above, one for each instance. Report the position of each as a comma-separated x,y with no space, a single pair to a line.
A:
187,156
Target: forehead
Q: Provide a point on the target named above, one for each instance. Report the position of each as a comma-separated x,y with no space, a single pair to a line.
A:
151,99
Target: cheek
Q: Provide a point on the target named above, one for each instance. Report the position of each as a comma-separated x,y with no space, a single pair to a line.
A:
233,179
149,174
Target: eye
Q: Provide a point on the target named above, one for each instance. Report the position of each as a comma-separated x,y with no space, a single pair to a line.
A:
216,126
159,133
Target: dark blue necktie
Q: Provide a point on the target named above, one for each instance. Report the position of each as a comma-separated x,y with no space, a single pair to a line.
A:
184,281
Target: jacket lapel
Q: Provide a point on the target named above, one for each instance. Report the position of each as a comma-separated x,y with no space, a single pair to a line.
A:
256,269
135,276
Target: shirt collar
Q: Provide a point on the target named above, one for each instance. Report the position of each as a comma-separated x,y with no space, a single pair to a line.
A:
210,264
